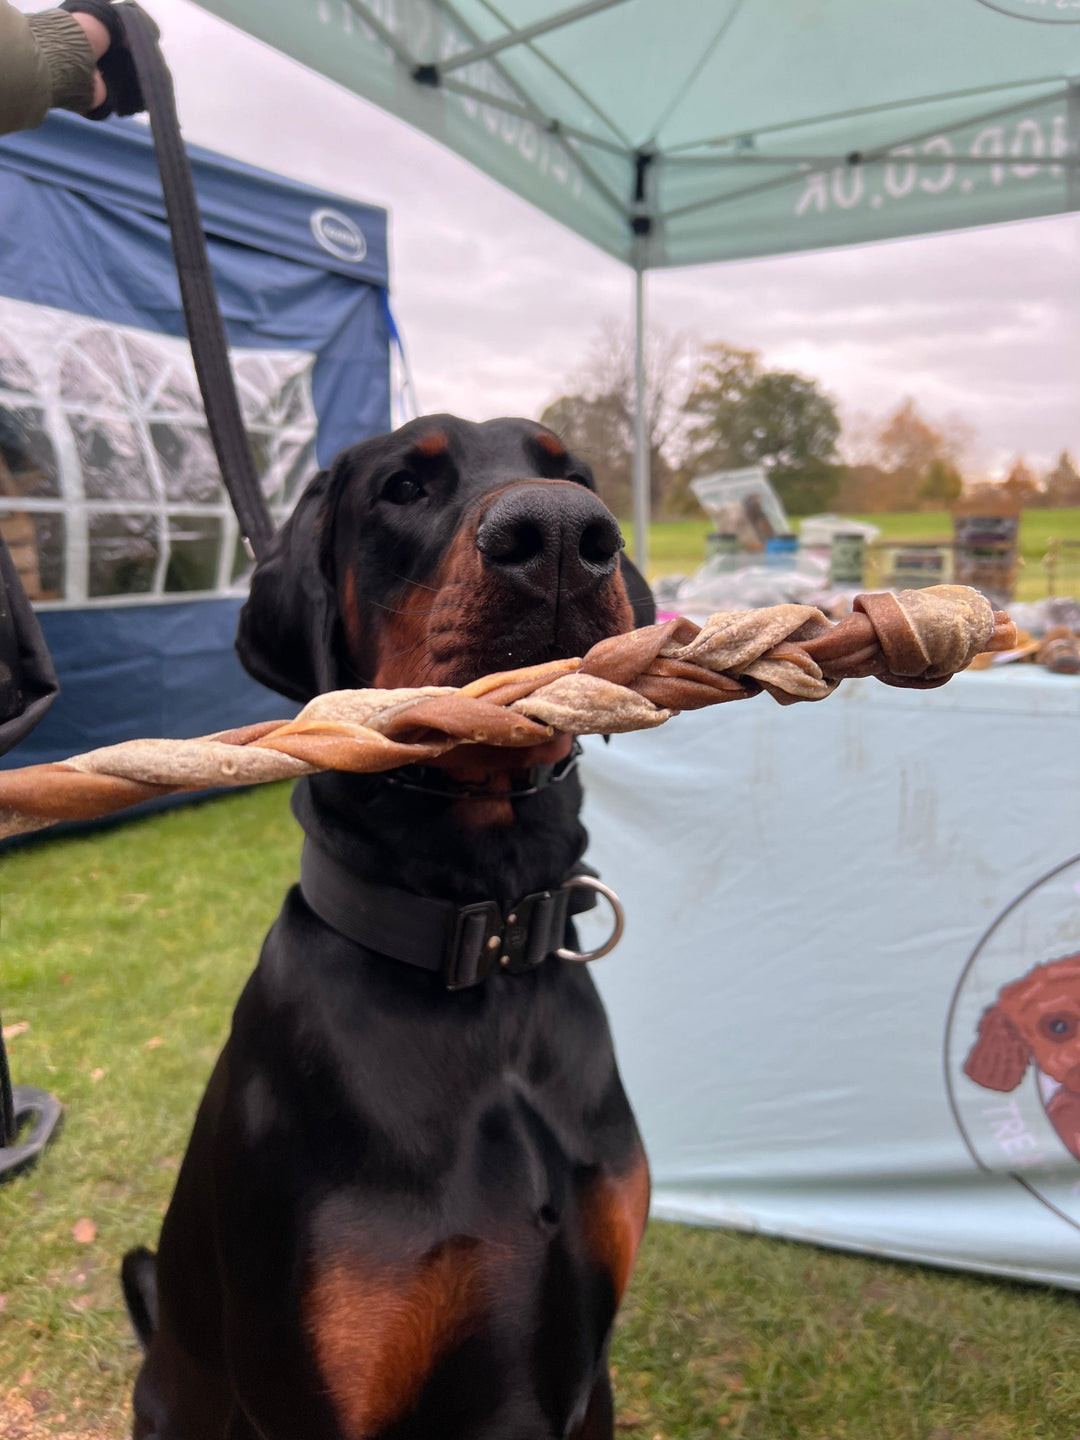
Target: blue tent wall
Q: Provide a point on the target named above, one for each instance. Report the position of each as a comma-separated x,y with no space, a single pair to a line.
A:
82,229
144,670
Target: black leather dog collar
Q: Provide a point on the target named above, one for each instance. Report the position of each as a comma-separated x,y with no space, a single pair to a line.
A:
463,943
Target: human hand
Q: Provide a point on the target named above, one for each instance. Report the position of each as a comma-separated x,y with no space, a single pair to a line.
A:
116,83
100,40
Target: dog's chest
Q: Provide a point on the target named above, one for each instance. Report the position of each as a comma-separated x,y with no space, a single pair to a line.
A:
401,1296
481,1196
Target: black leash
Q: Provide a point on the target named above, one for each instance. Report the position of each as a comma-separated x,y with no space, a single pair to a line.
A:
202,313
137,78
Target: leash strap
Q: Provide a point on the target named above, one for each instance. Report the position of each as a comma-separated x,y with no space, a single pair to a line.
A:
462,943
202,314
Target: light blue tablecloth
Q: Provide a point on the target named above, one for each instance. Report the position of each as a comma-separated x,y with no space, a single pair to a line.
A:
809,891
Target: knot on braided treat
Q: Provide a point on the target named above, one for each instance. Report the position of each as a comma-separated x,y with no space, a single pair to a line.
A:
918,638
928,635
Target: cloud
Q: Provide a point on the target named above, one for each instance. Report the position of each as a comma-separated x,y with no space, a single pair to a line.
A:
978,322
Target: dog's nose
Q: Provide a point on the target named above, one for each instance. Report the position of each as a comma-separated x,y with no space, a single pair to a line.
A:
549,539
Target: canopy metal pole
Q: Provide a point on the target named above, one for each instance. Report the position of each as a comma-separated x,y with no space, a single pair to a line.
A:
641,441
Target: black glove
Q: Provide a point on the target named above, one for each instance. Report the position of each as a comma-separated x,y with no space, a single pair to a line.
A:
117,68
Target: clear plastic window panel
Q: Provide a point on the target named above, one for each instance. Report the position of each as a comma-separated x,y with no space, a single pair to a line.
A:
188,467
38,550
109,487
194,553
111,459
28,464
124,554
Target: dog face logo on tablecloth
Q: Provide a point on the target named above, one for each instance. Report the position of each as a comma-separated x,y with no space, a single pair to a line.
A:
1036,1022
1012,1044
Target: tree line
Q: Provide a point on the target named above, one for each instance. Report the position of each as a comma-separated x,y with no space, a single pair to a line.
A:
723,408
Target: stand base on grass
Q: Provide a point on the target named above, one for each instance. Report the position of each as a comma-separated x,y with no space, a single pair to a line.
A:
37,1116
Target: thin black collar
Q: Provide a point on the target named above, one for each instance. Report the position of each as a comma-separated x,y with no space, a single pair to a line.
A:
462,943
529,781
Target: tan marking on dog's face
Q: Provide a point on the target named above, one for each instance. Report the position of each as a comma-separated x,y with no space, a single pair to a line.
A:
615,1210
349,609
428,629
432,444
550,442
377,1334
1044,1007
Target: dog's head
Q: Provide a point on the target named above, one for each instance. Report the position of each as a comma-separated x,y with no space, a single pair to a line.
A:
437,554
1035,1018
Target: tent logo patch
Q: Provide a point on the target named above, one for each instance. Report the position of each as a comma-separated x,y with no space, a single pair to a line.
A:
1012,1044
338,235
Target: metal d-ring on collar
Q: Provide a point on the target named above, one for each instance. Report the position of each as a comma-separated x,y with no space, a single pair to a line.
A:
430,781
589,882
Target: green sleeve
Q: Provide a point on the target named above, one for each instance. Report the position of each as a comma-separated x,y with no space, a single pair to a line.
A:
45,61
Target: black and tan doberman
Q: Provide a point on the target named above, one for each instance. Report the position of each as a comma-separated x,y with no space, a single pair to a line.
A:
415,1188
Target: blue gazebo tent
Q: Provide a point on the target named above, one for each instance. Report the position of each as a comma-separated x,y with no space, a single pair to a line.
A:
110,496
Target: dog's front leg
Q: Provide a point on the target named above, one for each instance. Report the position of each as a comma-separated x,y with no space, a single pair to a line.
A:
599,1421
174,1397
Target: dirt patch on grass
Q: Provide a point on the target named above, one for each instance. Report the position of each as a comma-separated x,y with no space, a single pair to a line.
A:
30,1414
25,1416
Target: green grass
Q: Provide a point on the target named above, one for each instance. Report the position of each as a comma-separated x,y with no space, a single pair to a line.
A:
141,934
678,546
144,934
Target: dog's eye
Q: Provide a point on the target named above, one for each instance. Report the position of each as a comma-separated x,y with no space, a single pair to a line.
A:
1058,1027
401,490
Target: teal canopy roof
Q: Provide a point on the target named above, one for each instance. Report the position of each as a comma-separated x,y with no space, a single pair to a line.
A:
675,132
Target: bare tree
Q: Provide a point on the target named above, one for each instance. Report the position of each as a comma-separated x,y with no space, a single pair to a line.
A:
596,414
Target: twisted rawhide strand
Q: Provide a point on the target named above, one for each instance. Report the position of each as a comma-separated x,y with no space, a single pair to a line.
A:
917,638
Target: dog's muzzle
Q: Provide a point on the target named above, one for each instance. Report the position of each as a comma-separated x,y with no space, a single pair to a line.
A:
550,540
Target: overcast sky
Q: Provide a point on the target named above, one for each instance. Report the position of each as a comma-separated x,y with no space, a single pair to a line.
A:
498,304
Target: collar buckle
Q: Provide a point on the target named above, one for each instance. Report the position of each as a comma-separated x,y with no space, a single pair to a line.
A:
534,929
484,940
475,945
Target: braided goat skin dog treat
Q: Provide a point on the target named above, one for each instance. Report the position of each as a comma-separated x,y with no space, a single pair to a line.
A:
918,638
